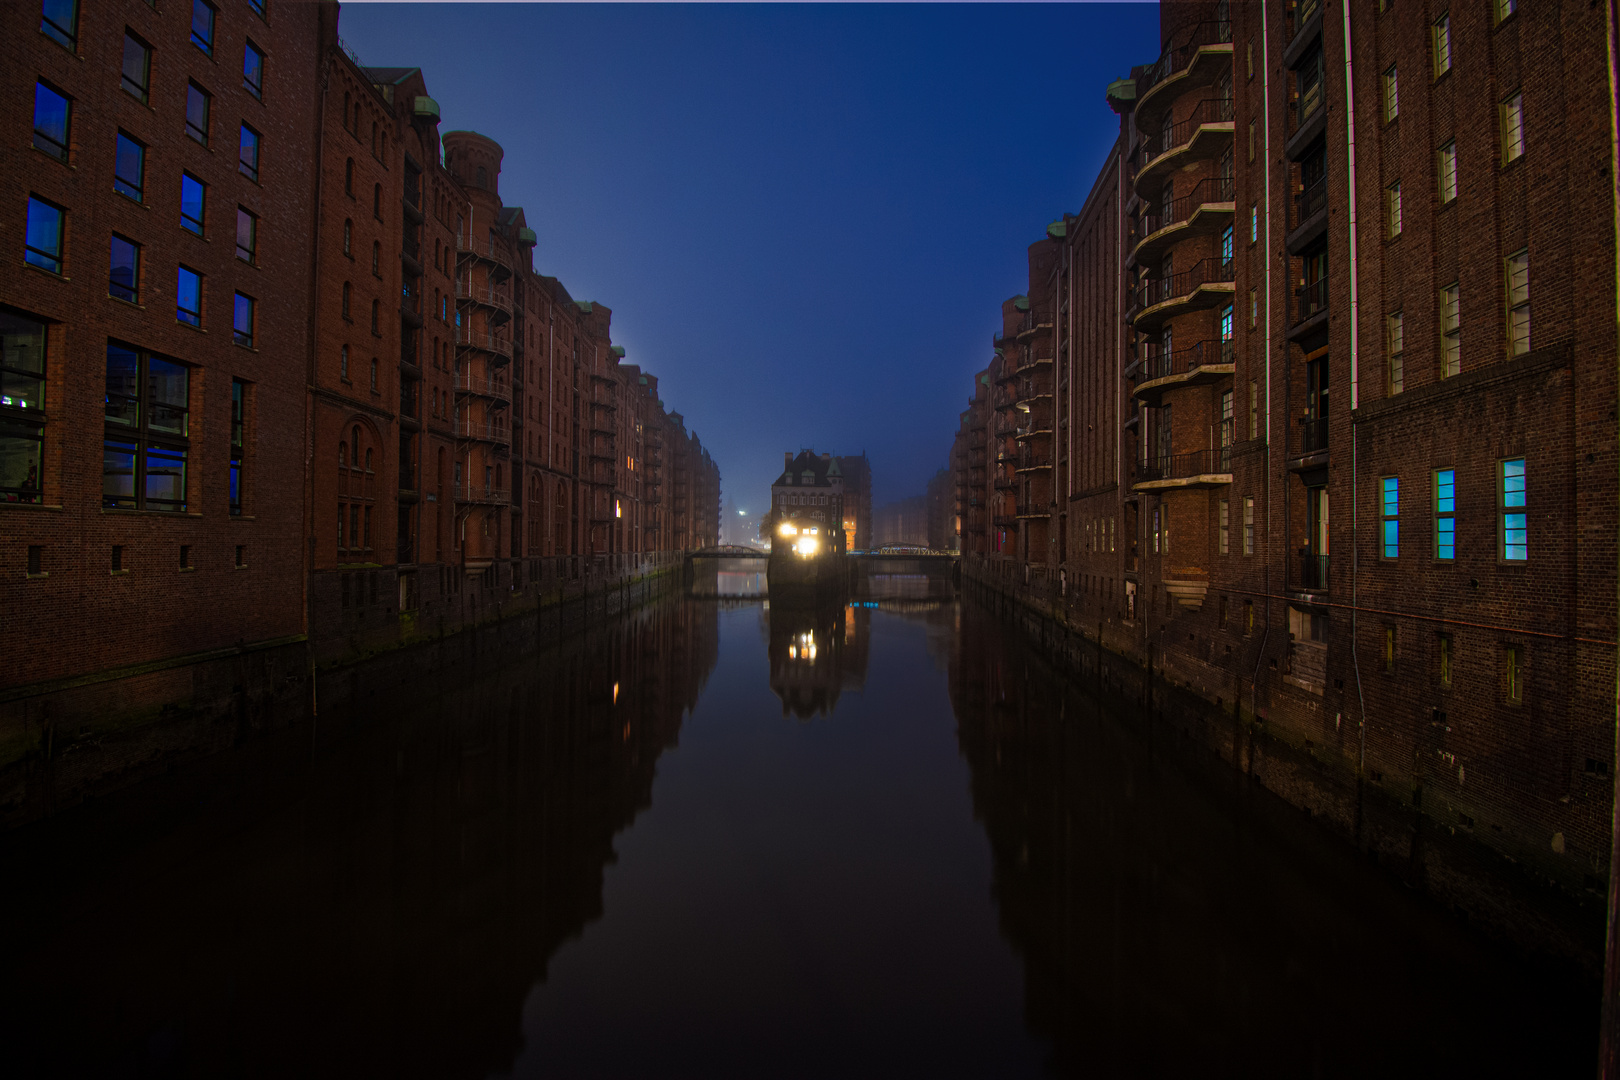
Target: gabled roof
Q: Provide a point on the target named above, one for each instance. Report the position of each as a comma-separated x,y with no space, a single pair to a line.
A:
821,472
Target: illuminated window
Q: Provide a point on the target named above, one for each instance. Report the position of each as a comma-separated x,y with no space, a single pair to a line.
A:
1395,343
1450,331
1513,128
1392,198
1448,172
1392,99
1445,513
1515,521
1518,302
1442,45
51,113
1391,515
147,414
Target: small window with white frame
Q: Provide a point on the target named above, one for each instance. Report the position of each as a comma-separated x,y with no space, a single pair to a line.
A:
1517,274
1448,172
1450,330
1513,128
1395,343
1442,45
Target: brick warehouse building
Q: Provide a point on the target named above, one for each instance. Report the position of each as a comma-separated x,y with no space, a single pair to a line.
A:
1414,585
370,416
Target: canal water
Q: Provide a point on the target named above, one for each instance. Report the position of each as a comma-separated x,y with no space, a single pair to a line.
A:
719,838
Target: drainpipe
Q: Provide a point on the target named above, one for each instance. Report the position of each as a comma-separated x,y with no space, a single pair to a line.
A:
309,376
1355,375
1265,93
1609,1037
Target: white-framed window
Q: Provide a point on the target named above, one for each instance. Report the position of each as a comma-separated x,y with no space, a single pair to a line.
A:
1224,520
1392,199
1450,331
1448,172
1392,97
1248,524
1395,345
1517,274
1442,45
1513,128
1514,530
1504,8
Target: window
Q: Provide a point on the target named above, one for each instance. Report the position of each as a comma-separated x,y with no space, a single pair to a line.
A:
1443,647
1254,307
1248,524
258,9
188,297
1389,649
118,558
238,448
198,105
1254,408
1226,246
1513,128
185,556
1248,616
22,403
1251,140
1450,331
1442,45
347,292
348,237
202,26
193,202
1513,661
1226,334
348,178
248,155
242,321
1395,344
1515,528
1392,101
376,201
129,167
137,67
1504,8
42,246
1390,537
1393,198
51,111
59,21
123,279
1254,222
247,235
376,257
1445,514
376,317
1448,172
253,70
1518,302
147,415
374,374
1225,523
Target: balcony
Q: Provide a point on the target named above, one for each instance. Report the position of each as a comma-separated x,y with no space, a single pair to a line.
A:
1005,482
1304,27
1031,460
486,494
488,296
1194,57
468,338
486,250
1005,521
494,384
1307,119
1194,469
1155,300
1202,363
1203,135
1028,327
1207,208
1308,309
1312,569
1308,444
496,431
1310,216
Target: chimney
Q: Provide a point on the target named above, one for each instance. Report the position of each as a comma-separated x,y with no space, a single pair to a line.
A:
787,460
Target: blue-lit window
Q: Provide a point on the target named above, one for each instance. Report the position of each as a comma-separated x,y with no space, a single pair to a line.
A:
124,276
1226,246
1515,520
59,21
248,154
51,111
1445,513
1391,536
193,203
42,247
188,297
1254,222
242,321
147,416
22,401
257,6
129,168
253,70
238,443
202,26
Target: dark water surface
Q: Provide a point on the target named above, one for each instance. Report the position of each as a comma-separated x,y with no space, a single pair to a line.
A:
721,840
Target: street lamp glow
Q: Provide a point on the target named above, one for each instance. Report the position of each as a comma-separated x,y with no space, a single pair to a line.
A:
788,529
807,545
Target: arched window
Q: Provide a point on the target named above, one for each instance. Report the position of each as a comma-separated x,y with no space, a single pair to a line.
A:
368,459
343,363
346,102
376,201
483,177
343,455
348,178
376,257
376,317
346,293
356,127
348,237
374,138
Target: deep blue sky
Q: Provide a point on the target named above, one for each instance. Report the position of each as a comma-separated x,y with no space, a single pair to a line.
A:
804,218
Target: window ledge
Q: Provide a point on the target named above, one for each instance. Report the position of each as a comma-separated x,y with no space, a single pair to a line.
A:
189,326
39,576
122,512
248,348
243,517
52,274
132,199
52,157
137,305
8,505
188,570
117,573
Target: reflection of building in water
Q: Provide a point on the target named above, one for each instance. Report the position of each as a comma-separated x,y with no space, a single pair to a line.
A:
816,652
442,849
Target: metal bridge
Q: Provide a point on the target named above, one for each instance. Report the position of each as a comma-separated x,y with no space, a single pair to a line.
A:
737,551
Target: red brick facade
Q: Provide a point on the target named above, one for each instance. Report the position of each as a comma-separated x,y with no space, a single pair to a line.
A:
367,419
1417,584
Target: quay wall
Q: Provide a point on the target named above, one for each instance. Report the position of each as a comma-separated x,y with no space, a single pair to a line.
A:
1509,893
66,741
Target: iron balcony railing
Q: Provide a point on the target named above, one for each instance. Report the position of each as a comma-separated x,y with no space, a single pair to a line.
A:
1310,299
468,338
496,431
1161,365
1310,201
1005,521
1313,571
1189,464
1033,459
1174,136
482,493
1180,50
484,249
1311,438
488,295
1215,189
1302,107
1152,291
489,384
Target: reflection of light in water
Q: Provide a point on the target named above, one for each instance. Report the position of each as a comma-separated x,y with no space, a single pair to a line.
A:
803,647
615,693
